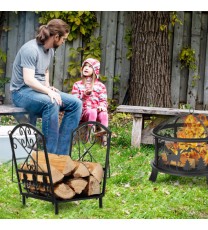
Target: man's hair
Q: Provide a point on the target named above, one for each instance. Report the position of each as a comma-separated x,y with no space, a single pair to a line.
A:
55,26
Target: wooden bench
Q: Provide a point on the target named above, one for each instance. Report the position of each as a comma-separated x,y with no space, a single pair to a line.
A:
18,113
141,134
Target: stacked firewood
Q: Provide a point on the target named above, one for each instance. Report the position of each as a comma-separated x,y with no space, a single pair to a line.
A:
69,177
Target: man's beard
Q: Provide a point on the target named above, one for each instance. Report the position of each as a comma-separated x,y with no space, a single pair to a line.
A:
55,45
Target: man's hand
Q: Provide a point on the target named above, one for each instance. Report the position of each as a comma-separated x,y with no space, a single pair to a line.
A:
55,96
53,88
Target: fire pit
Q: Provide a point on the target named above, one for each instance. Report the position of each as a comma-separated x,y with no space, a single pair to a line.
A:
181,146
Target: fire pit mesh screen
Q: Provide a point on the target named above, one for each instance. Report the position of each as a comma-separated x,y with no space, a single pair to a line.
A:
181,146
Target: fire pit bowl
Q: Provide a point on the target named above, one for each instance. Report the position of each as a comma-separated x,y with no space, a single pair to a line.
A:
181,146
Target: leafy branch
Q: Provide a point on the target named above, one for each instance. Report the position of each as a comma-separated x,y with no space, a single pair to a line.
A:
80,22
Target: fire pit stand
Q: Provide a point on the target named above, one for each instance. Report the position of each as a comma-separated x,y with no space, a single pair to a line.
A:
181,147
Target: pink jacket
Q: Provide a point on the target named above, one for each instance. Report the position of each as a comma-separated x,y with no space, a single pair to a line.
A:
97,98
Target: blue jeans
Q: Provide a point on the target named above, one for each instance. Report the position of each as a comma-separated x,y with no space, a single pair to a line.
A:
57,138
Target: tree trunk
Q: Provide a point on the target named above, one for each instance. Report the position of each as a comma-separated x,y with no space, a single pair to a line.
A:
150,68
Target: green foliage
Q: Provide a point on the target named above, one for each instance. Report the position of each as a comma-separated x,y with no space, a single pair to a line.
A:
128,40
3,79
3,56
8,120
163,27
187,58
174,19
81,22
91,49
69,82
2,61
116,80
112,104
74,67
194,80
103,78
185,106
120,119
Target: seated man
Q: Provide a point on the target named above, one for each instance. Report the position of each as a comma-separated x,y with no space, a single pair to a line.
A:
31,90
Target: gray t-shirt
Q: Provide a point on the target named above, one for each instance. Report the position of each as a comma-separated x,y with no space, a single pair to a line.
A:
32,56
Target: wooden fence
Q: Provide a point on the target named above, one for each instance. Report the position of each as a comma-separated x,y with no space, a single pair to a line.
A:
113,27
184,87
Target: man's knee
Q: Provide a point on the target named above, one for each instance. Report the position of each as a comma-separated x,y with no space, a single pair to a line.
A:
79,103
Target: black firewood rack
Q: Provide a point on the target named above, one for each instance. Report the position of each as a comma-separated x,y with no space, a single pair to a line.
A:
90,142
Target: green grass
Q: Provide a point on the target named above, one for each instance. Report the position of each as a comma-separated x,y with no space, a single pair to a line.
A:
129,193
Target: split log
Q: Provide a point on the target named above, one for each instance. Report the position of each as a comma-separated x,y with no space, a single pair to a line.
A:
93,187
63,163
77,184
56,175
40,189
64,191
95,170
80,170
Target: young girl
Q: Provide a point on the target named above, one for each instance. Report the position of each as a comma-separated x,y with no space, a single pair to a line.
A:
92,92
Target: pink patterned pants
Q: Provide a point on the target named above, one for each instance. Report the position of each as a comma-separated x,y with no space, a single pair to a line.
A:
94,115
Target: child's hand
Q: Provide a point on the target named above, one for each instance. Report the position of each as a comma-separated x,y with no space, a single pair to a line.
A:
99,108
88,92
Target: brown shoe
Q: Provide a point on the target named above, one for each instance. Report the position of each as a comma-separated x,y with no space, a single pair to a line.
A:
100,133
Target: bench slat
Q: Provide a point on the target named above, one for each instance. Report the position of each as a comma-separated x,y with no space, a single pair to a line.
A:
10,110
157,110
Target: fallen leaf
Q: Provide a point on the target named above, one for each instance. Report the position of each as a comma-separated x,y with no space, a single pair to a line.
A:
118,194
127,212
176,183
166,192
127,185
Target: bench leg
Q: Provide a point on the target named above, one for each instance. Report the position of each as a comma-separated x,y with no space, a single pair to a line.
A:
21,118
33,119
137,130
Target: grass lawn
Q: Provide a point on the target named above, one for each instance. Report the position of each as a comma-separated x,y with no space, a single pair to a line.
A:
129,193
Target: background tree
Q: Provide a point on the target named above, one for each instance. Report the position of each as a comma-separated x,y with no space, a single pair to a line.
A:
150,67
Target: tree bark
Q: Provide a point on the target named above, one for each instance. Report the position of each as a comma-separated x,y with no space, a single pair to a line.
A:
150,68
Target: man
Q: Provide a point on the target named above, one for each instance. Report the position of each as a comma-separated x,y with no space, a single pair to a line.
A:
31,90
